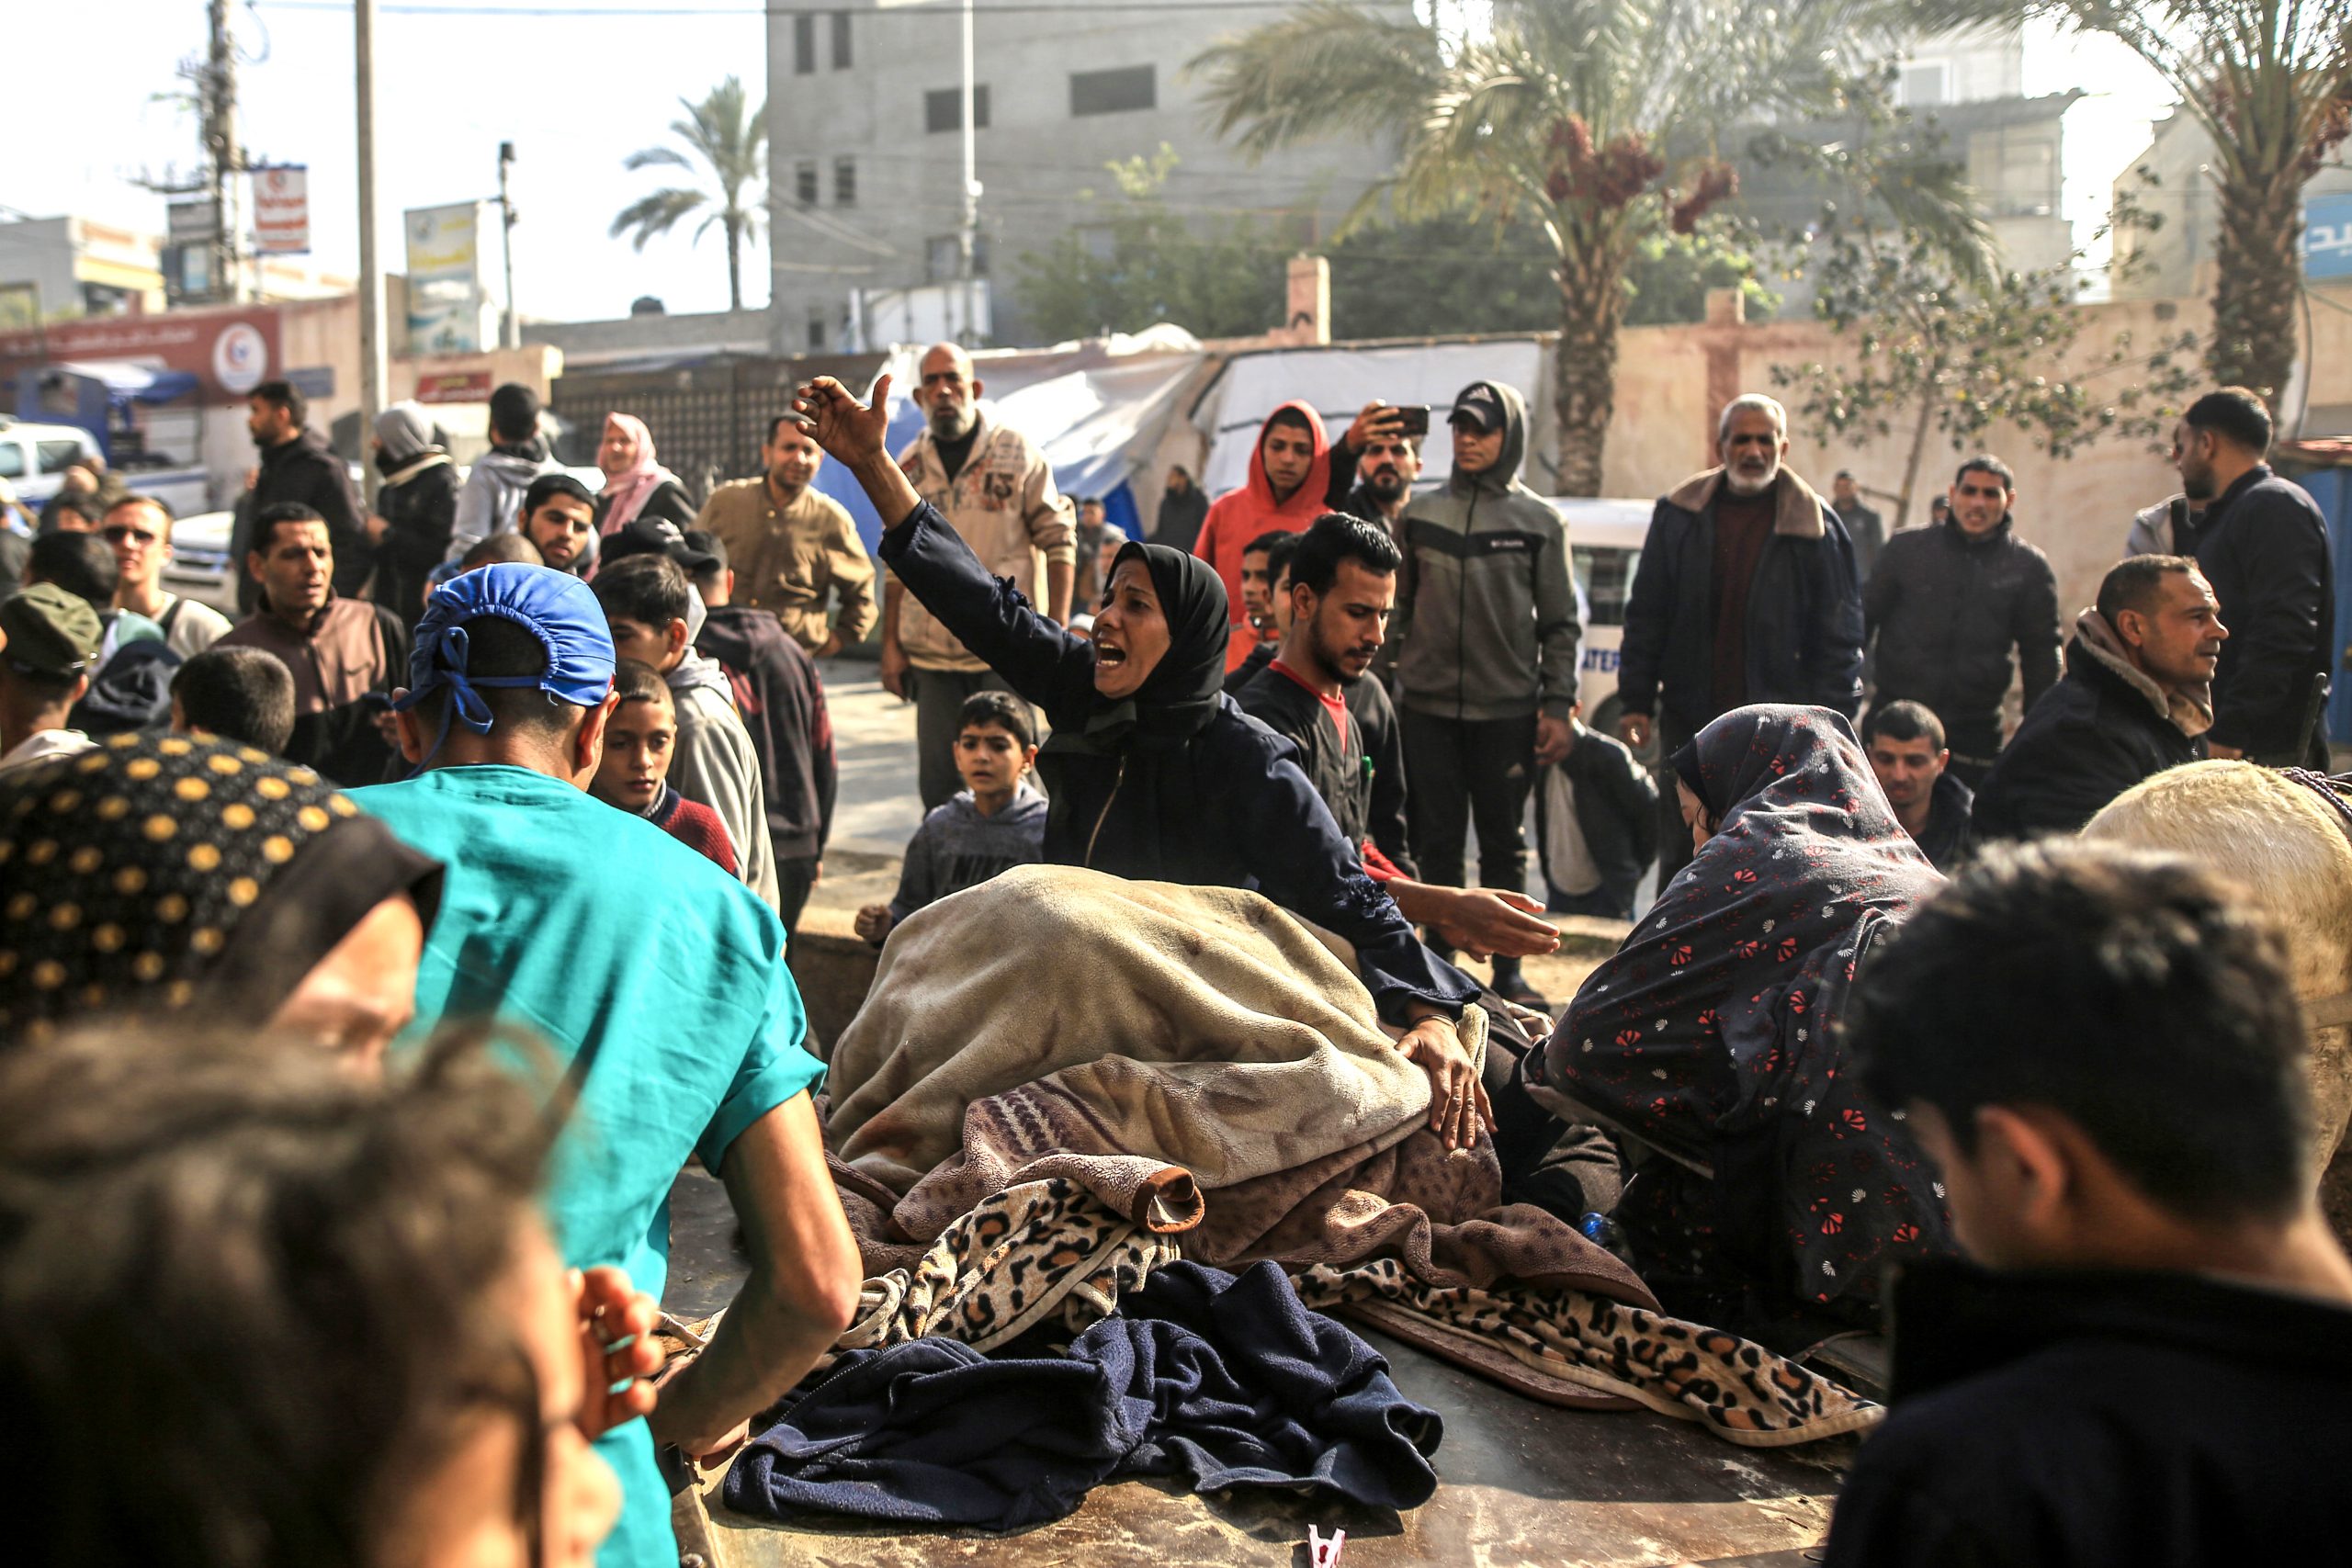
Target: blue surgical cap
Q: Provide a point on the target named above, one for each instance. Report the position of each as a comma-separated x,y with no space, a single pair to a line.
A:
557,607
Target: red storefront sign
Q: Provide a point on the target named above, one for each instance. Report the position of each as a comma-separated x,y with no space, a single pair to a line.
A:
453,386
230,352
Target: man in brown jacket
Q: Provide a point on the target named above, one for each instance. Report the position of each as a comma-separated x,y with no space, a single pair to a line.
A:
793,548
996,490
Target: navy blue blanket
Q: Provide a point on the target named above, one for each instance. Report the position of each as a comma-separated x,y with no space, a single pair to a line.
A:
1223,1381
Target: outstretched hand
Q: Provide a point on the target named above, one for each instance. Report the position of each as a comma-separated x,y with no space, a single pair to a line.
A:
849,432
1488,922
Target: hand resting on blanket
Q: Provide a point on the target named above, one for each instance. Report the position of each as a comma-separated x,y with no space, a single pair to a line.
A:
1458,1105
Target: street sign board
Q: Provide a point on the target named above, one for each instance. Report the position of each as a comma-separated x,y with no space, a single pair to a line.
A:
282,210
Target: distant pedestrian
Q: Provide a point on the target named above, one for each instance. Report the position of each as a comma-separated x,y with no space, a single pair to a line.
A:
1959,607
996,491
492,501
1596,826
346,656
1939,509
1182,510
1909,756
298,465
417,507
1487,625
1088,578
794,550
559,517
635,484
2136,699
2264,546
1863,524
1745,593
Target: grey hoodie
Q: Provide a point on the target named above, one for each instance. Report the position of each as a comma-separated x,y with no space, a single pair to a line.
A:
1486,619
491,501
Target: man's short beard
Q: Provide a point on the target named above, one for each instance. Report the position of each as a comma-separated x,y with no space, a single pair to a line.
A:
2198,489
1389,485
1741,487
952,421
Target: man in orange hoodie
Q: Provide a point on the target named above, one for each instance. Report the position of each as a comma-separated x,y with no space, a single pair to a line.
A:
1296,476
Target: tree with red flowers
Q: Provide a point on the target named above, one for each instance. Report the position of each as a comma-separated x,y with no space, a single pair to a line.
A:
1599,120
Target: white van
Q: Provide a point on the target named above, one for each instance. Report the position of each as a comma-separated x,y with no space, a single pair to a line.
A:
34,457
1605,541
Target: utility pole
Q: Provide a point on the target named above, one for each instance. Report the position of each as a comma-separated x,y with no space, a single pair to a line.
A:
513,336
218,99
372,367
967,240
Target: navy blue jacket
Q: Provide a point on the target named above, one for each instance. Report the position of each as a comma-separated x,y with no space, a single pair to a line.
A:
1805,610
1229,807
2263,545
2094,735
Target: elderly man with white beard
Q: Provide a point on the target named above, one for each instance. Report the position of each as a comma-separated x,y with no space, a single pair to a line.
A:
1746,592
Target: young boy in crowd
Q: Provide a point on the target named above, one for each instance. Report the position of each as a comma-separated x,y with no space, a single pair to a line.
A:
245,694
2150,1360
998,822
639,740
655,614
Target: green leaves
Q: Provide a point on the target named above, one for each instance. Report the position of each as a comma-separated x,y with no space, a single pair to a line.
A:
727,139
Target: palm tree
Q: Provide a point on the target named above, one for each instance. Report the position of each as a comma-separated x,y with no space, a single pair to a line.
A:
2271,82
731,145
1600,118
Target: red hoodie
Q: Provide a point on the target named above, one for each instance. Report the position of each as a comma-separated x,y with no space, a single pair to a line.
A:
1241,516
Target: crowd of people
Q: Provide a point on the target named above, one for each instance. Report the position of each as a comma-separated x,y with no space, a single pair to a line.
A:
371,965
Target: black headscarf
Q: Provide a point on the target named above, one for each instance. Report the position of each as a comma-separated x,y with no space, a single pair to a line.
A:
1180,696
169,871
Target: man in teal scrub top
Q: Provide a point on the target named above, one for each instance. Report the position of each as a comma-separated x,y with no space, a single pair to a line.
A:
659,980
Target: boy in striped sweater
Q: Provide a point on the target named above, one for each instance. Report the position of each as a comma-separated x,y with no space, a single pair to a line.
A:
639,741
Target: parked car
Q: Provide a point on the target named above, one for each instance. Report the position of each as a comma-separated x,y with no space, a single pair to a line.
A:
1605,541
34,457
200,568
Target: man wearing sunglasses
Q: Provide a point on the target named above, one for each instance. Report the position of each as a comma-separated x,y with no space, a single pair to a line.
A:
138,529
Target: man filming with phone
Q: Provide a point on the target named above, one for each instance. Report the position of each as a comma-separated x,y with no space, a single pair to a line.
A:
1390,462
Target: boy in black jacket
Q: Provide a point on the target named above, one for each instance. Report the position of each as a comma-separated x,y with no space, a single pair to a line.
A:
2152,1364
782,699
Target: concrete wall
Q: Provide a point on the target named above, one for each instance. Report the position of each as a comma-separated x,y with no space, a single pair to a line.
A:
1033,158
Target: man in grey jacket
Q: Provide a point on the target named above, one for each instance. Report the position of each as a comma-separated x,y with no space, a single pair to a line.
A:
492,501
1485,622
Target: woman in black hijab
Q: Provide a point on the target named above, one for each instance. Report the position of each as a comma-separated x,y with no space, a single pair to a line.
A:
1154,774
170,875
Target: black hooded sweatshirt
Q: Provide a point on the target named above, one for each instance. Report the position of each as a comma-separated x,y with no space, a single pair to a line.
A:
1175,783
782,700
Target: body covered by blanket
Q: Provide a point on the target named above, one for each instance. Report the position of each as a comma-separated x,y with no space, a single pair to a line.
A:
1225,1383
1196,1057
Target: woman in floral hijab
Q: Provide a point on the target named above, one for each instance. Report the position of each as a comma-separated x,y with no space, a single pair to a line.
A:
1711,1035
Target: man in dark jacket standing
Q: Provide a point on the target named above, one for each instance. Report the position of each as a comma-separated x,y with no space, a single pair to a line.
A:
1182,510
1486,625
297,466
1746,592
417,506
1597,818
2263,545
1948,604
2134,701
1864,527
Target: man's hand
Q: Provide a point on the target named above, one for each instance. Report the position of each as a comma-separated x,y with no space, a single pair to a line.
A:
702,1451
873,923
1552,739
617,1348
831,646
2220,754
894,671
849,432
1458,1105
1486,921
1537,1026
375,529
1377,422
817,873
1634,729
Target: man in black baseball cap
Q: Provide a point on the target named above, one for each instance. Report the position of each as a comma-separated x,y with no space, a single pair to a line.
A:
51,645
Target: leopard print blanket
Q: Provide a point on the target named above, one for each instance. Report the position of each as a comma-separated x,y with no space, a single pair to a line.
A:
1051,1253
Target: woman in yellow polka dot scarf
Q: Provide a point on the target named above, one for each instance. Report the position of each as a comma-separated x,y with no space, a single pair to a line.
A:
163,873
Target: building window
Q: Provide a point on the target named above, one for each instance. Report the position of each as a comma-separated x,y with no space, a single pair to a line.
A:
943,257
841,40
804,44
1923,85
942,110
845,182
804,181
1113,91
818,334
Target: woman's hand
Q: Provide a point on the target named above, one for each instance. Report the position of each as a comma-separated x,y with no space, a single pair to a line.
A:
617,1348
1457,1100
851,431
1485,923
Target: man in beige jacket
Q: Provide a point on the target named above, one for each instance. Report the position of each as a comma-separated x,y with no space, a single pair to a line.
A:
793,548
995,488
